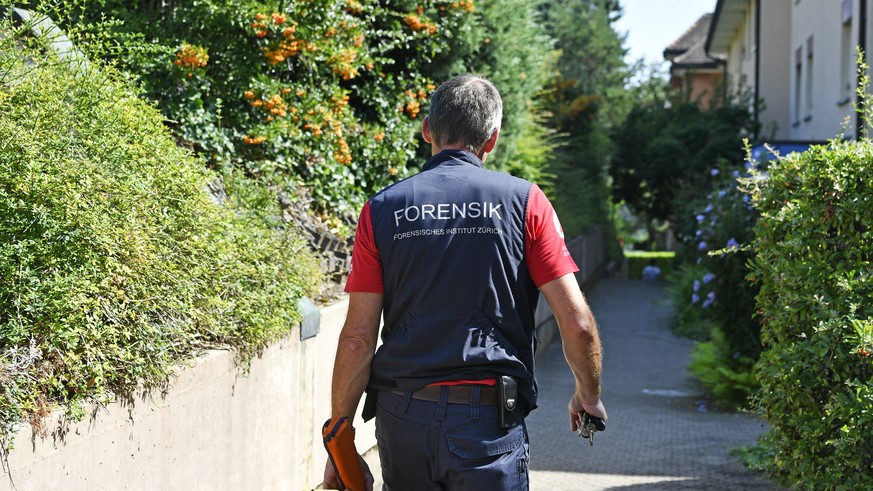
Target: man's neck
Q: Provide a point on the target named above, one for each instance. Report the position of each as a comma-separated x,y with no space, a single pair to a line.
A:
435,149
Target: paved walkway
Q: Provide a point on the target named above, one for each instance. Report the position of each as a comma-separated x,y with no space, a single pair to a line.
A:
657,437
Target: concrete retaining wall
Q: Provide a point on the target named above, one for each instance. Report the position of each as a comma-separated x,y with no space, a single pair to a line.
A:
217,429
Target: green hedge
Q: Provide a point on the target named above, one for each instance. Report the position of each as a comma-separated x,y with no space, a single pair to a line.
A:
118,264
814,250
637,260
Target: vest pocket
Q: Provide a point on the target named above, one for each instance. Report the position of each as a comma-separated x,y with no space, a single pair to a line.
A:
435,341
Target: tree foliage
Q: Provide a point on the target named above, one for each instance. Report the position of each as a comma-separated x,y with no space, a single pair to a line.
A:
584,96
665,155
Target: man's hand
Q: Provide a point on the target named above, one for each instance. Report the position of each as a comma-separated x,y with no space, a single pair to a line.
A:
577,407
331,481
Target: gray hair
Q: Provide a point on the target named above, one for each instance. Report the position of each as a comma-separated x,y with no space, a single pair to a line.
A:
465,110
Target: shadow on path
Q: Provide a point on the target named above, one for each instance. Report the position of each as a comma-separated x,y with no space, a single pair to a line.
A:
659,436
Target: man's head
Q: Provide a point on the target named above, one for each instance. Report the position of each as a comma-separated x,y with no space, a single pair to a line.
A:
465,111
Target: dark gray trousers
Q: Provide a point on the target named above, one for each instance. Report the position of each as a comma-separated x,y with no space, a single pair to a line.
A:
427,445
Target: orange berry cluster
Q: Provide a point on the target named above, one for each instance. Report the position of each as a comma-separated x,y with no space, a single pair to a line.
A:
287,46
354,7
417,25
413,101
343,155
273,105
342,64
320,121
465,5
253,141
191,57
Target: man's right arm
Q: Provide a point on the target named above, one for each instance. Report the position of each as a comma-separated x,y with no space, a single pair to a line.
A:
581,340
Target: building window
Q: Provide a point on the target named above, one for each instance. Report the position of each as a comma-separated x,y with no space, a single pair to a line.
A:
798,79
810,72
847,55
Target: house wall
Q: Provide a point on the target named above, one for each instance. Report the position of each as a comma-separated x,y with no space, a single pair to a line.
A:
804,98
817,28
704,85
775,69
740,61
707,86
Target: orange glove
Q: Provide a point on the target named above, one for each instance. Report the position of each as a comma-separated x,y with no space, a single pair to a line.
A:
339,440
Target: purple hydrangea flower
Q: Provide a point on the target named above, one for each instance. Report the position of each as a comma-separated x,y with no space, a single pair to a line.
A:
732,243
695,298
701,246
710,299
708,277
696,285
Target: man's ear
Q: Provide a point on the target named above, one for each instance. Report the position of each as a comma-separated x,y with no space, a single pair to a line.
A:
425,130
489,145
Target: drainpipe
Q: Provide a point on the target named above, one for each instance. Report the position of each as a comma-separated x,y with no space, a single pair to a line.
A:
758,67
862,42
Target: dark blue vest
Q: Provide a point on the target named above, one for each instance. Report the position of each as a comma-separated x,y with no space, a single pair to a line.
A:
459,302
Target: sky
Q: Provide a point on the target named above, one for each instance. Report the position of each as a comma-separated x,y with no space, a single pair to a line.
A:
651,25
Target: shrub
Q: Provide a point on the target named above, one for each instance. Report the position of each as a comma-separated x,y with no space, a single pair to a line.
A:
719,238
684,292
720,300
726,375
117,263
814,245
637,260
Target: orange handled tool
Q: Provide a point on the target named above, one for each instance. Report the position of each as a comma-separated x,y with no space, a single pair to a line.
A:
339,440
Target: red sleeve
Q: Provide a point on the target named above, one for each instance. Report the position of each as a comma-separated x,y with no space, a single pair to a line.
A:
547,254
365,273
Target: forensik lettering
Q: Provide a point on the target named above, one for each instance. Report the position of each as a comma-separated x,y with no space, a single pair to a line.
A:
448,211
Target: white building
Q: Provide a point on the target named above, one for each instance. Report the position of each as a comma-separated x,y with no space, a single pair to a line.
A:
798,58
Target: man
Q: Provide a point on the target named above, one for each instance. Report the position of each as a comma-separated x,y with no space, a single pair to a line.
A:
453,257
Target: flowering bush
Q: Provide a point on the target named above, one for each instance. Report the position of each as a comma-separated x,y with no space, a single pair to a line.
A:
320,94
719,309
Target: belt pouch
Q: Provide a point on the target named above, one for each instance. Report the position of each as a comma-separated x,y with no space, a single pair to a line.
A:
507,388
369,410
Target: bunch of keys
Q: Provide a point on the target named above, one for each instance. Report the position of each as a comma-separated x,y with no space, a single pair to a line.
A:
591,424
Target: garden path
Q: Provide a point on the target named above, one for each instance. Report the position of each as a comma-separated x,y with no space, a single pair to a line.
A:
661,435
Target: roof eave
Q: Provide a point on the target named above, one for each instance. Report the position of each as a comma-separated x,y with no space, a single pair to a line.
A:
727,18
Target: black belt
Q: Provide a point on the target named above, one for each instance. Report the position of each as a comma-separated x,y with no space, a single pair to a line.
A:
458,394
